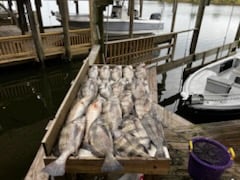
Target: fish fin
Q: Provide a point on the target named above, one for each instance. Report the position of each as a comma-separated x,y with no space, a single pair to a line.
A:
111,164
56,168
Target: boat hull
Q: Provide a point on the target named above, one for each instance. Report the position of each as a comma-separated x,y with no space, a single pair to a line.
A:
214,87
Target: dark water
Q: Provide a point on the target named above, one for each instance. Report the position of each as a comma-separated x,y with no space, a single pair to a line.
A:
29,98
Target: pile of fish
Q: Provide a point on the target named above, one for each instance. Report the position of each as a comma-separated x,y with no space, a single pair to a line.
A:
113,116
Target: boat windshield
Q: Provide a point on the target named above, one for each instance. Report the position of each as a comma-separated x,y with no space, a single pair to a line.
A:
226,65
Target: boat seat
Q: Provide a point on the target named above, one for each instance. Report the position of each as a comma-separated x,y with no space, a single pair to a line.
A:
235,89
219,85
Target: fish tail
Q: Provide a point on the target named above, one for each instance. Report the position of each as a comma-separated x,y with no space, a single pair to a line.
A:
57,167
111,164
160,152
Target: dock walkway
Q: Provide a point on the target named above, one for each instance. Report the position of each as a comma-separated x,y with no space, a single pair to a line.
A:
178,132
20,48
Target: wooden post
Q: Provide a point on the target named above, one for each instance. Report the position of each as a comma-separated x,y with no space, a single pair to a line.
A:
131,11
35,32
174,10
22,18
77,6
198,24
140,8
93,22
10,5
63,8
38,4
201,9
237,37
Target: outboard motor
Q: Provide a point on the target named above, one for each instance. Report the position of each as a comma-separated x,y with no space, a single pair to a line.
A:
156,16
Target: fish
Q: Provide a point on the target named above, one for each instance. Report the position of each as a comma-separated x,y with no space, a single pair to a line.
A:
93,112
112,113
140,88
69,142
141,72
143,106
118,87
105,90
101,144
89,88
150,126
127,145
127,103
93,72
116,73
128,73
133,126
78,109
104,73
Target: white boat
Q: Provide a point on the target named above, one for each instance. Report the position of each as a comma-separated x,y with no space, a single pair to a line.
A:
118,22
214,87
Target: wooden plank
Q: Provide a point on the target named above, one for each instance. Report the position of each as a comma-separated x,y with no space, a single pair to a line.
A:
130,165
35,171
50,136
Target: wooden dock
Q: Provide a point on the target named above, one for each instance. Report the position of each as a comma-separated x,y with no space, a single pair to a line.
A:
20,48
178,132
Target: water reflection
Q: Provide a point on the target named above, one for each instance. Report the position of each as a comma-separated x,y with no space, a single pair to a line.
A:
29,97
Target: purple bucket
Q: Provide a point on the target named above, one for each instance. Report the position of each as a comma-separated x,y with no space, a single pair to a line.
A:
208,159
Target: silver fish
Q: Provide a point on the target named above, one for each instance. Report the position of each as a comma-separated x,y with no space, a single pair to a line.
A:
140,88
78,109
127,103
142,106
141,72
112,113
150,126
93,112
93,72
69,142
104,73
101,143
116,73
133,126
128,73
118,87
89,88
127,145
105,90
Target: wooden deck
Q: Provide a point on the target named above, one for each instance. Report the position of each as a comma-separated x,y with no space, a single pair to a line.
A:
21,48
178,132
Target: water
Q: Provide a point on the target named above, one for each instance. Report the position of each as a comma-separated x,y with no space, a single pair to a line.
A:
35,95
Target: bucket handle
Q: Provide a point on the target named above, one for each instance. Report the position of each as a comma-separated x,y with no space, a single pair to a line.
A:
190,146
232,153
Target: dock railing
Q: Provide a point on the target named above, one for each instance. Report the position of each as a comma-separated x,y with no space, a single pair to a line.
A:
17,48
159,50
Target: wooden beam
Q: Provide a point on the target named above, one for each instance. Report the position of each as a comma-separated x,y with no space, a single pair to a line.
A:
22,18
38,4
76,6
35,32
63,8
131,15
174,10
93,24
201,9
140,8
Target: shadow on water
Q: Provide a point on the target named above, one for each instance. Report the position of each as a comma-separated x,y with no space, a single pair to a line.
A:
29,98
